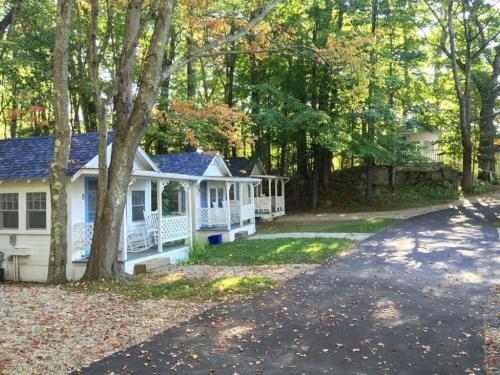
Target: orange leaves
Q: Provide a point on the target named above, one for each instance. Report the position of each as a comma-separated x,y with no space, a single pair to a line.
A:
217,112
214,123
15,114
341,50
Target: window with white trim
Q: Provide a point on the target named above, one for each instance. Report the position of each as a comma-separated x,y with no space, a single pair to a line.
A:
138,205
9,211
36,210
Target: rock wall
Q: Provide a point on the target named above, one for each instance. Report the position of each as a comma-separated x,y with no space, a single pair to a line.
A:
351,182
405,176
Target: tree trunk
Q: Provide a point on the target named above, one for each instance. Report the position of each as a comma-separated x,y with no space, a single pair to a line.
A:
282,168
13,120
488,89
229,86
131,122
301,145
316,176
104,255
62,142
190,69
100,107
370,162
464,99
9,18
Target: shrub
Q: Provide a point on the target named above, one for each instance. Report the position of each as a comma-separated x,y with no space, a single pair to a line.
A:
418,195
482,187
197,253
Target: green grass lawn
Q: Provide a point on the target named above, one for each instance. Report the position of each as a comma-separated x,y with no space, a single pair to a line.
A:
278,251
213,290
354,226
176,287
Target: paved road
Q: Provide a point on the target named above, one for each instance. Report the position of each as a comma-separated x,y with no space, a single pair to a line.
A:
407,301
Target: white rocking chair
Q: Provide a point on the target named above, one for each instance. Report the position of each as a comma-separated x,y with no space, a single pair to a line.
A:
151,220
137,242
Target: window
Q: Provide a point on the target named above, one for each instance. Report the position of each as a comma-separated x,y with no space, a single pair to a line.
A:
36,211
213,197
9,211
91,199
138,205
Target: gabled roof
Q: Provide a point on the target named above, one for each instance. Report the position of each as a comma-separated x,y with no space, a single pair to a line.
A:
30,158
243,167
190,163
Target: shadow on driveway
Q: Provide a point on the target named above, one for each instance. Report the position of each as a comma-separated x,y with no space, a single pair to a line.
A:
407,301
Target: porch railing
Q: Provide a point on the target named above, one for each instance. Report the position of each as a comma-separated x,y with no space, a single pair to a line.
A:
269,204
174,228
263,204
218,216
82,240
247,212
209,217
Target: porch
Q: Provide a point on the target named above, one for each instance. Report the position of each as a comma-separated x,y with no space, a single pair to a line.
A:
270,197
146,235
225,204
138,245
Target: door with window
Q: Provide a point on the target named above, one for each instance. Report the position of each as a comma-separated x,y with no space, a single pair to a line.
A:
138,205
216,196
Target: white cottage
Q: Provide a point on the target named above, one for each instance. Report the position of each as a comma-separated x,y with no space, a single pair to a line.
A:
157,223
221,203
426,142
269,195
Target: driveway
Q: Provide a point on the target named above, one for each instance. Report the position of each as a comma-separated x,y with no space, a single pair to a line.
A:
407,301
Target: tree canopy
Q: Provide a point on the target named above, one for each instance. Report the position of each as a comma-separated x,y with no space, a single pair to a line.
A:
315,85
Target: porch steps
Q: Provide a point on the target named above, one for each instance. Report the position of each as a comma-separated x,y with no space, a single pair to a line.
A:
150,265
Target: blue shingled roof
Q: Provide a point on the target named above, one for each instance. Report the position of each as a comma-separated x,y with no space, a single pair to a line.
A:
190,163
30,158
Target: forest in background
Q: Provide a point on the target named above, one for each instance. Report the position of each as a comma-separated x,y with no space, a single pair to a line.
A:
302,85
317,85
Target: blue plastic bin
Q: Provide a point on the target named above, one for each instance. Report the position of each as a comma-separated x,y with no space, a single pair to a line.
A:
258,219
215,239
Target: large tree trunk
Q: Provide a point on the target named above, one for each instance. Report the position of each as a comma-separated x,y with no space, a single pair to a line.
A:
370,162
62,142
488,89
130,127
131,123
464,100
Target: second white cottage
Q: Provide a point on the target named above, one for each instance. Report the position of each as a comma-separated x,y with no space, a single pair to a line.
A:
222,205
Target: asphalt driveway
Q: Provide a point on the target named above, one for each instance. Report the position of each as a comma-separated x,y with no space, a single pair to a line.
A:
407,301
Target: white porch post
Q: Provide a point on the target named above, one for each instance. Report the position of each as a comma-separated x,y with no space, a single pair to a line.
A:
276,195
270,196
283,193
252,200
240,192
187,189
159,209
228,205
